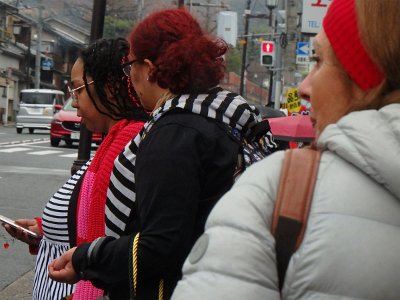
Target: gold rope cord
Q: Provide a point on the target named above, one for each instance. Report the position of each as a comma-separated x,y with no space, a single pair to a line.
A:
161,290
134,261
135,269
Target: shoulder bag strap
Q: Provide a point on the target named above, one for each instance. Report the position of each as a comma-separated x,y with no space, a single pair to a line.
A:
295,191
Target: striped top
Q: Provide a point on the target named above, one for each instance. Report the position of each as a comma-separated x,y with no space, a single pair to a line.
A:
55,241
221,105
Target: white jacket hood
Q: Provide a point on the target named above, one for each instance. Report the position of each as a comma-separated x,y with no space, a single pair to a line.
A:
369,140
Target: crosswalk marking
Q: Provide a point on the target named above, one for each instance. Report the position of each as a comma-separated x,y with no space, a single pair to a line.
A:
72,155
45,152
34,171
15,149
32,151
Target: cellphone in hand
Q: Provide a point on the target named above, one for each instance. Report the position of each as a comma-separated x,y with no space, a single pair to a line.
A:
12,223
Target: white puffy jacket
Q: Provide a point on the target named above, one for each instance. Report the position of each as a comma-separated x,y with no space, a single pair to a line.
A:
351,248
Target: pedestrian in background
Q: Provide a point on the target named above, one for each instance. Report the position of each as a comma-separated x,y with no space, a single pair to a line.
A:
351,245
78,212
179,166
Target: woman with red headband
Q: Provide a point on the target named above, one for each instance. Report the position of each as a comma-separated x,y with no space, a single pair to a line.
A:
351,245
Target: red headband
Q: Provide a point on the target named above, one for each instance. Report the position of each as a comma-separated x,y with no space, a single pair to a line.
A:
341,28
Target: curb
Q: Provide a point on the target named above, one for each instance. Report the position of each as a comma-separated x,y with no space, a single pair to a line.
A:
9,124
20,289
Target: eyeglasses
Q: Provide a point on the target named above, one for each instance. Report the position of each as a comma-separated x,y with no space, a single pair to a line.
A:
74,96
127,67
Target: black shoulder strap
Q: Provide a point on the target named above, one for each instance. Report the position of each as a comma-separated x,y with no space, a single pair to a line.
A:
295,191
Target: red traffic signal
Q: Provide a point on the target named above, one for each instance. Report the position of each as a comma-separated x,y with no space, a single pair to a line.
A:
268,47
267,57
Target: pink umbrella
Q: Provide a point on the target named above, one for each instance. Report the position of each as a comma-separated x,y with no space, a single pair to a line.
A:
292,128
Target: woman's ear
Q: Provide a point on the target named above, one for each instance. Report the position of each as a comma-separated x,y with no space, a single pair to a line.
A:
150,67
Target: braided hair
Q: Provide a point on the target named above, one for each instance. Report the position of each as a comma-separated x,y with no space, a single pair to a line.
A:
102,61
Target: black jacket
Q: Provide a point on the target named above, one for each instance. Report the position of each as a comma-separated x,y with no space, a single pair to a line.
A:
184,165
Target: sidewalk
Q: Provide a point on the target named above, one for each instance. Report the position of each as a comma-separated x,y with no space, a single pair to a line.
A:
9,124
20,289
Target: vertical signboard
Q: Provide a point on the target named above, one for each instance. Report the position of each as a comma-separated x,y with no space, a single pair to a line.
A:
313,14
227,26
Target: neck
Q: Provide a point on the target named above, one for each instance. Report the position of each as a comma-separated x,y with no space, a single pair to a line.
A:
164,96
110,124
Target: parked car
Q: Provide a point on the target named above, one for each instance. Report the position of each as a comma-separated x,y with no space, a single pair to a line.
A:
66,126
37,107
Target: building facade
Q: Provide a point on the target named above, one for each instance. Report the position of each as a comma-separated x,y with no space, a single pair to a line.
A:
25,48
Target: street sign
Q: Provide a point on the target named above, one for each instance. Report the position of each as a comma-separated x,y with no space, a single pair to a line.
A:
303,48
302,59
303,53
313,13
47,64
293,101
227,26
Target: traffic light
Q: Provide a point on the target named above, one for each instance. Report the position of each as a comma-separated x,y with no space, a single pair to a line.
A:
267,54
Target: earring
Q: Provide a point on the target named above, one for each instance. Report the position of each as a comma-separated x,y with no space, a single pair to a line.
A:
148,78
7,241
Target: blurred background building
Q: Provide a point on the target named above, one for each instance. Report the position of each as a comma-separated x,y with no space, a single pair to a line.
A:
40,40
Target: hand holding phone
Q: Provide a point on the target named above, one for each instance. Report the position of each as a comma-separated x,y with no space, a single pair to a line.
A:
18,228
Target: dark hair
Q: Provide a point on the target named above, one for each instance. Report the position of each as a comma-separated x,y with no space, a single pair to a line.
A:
102,61
186,59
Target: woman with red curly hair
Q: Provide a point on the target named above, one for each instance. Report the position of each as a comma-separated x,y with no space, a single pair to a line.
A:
176,169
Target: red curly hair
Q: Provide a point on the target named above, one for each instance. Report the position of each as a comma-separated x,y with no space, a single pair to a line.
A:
187,60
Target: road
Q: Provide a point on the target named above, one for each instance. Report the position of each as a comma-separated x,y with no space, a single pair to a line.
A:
30,172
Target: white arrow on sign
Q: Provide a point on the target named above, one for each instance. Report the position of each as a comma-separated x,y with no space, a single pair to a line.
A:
303,48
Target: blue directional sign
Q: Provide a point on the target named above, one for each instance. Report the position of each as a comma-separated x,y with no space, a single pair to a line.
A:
47,64
303,48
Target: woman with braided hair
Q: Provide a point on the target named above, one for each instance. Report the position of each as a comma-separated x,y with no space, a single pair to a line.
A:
78,213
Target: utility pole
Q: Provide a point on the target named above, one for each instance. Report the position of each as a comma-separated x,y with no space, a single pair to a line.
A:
28,59
38,46
271,5
244,53
280,21
270,87
96,32
140,9
208,17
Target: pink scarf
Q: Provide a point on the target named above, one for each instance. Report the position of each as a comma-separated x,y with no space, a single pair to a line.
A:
92,196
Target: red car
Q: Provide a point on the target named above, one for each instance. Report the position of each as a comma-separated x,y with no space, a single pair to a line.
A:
66,126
